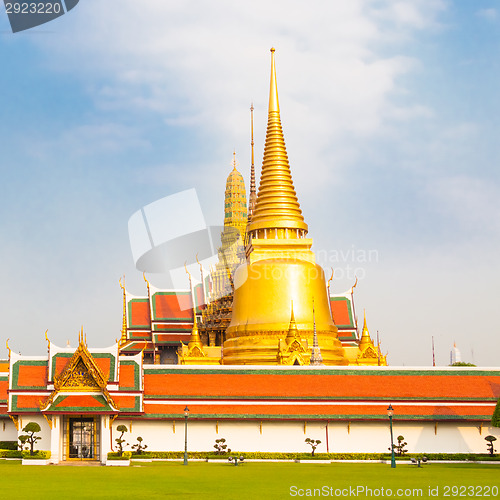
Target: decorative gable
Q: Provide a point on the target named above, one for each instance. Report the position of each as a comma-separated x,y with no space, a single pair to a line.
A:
80,375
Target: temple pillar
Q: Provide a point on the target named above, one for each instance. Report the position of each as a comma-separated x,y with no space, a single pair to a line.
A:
55,440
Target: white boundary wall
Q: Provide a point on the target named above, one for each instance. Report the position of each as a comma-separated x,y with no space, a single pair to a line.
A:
286,436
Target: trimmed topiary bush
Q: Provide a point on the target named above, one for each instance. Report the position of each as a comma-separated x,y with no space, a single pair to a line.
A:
37,455
8,445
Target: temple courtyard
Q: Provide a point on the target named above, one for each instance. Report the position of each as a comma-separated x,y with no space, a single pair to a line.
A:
250,481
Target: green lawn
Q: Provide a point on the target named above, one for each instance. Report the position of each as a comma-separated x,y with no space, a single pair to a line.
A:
260,481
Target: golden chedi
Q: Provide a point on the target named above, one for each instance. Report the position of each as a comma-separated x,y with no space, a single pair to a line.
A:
280,270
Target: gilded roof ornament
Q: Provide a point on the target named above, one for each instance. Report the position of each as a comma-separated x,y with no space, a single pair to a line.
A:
316,358
123,338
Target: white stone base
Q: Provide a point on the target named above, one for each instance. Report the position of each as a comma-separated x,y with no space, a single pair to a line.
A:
118,463
312,461
27,461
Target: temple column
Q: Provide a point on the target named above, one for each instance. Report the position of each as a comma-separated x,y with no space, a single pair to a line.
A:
105,438
55,440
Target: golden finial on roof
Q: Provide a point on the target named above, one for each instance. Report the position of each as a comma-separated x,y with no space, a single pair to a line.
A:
187,272
277,206
194,339
365,334
331,277
47,339
292,329
355,284
123,337
316,357
7,345
145,279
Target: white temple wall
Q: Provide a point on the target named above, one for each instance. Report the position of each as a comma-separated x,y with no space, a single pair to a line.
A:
8,431
289,436
45,432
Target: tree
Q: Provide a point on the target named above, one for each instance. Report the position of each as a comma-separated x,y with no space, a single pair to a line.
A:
495,419
313,443
462,363
139,447
22,441
400,447
490,439
119,440
31,428
220,446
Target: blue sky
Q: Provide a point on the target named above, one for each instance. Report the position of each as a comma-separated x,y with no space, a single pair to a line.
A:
390,113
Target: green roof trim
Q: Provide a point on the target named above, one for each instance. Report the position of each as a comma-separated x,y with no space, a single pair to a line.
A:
15,373
137,374
175,320
311,417
70,409
129,313
15,408
325,372
97,355
320,399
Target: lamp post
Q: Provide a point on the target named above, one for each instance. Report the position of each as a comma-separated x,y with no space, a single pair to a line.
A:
390,413
186,415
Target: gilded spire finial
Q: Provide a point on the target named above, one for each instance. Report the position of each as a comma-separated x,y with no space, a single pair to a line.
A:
47,339
195,340
123,338
7,345
316,358
365,334
292,329
277,206
188,273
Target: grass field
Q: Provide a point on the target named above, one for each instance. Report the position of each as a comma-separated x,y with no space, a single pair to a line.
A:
249,481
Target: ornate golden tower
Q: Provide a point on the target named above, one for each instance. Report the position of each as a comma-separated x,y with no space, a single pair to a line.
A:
217,314
280,268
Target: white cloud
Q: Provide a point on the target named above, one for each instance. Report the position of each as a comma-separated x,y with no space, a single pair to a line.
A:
204,63
489,14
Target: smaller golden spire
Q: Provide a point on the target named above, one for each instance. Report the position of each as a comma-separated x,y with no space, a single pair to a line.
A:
292,329
365,334
7,345
195,340
47,339
123,338
316,358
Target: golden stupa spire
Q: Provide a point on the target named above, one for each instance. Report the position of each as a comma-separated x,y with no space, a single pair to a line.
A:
277,208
